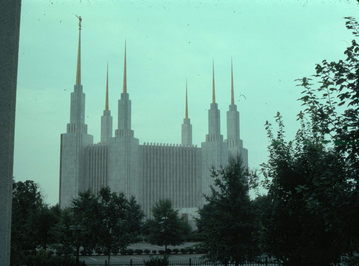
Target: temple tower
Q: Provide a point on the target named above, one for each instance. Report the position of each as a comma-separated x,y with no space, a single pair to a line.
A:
123,149
234,142
72,176
186,126
106,119
214,152
233,137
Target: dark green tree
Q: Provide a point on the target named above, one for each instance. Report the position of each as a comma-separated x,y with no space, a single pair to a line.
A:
134,219
227,222
307,191
117,227
84,215
331,102
27,205
46,224
166,227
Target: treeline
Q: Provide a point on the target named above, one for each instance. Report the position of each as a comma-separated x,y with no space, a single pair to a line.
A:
107,223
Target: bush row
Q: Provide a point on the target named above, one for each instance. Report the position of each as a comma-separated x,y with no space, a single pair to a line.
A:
100,251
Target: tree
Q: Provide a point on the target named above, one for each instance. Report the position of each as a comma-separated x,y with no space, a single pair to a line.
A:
27,204
166,227
83,222
119,221
134,219
227,220
331,101
46,223
308,187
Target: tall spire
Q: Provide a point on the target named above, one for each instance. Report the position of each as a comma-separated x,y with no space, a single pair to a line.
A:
186,114
107,105
78,70
124,89
213,85
232,85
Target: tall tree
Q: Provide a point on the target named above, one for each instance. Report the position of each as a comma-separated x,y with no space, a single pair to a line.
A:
227,221
117,226
27,203
84,222
331,102
307,190
166,227
46,224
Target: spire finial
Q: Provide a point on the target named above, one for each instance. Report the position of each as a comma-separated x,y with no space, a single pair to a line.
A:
213,85
78,70
124,89
107,105
232,84
186,113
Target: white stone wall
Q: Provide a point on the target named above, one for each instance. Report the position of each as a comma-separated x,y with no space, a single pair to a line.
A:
186,132
123,165
72,167
170,172
96,167
106,126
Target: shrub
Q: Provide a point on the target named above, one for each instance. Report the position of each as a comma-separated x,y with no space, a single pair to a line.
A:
123,251
44,258
175,250
130,252
161,252
147,251
88,251
98,251
183,250
114,251
154,251
139,251
157,261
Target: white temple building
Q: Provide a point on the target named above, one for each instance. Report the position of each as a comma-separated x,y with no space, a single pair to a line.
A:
148,171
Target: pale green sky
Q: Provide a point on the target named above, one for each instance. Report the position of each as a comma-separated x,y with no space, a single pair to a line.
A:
272,42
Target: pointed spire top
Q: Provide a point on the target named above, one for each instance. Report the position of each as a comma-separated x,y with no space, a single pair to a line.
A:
106,104
78,70
124,88
213,85
232,84
186,113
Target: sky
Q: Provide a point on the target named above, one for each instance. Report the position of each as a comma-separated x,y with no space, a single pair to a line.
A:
271,43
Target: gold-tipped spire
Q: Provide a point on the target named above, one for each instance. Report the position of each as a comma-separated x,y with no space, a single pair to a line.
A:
232,84
124,89
78,70
186,112
213,85
107,105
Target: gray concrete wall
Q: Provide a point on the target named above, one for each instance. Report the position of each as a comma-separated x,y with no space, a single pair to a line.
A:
9,45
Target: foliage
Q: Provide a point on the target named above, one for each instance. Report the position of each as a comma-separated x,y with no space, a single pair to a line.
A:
227,221
157,261
166,227
45,258
310,215
331,100
304,223
26,207
108,221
